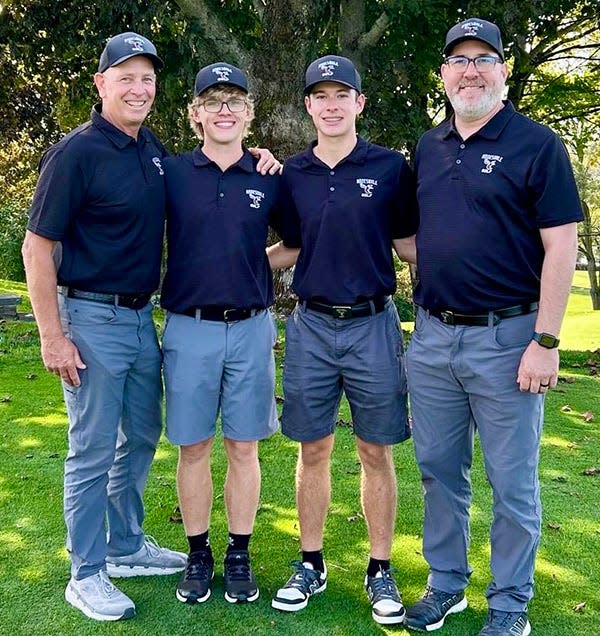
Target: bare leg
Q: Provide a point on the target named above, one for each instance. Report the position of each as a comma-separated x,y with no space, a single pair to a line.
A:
378,496
194,486
242,485
313,490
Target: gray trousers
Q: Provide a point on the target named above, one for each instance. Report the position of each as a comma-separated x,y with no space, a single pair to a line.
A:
114,427
461,380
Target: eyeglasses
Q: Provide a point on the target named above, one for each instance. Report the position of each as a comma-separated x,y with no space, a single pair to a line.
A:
483,63
235,105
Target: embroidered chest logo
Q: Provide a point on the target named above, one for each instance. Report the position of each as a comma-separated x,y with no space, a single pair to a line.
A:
367,185
327,67
489,162
157,163
256,197
222,73
137,44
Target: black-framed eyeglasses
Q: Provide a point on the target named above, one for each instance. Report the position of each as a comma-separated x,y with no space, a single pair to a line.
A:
483,63
235,105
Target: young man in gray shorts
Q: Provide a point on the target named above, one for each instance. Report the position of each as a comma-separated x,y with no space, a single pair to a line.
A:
345,203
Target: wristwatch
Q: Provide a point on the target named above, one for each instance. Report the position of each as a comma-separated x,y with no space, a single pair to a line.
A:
546,340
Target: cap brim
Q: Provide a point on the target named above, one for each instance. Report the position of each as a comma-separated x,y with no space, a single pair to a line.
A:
158,63
309,88
223,85
452,44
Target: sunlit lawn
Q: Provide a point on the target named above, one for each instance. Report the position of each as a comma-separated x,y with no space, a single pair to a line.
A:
34,564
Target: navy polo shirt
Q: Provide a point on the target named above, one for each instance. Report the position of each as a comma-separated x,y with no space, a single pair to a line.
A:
482,203
101,194
344,219
217,226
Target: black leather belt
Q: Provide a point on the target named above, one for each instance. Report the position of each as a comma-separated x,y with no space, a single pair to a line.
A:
344,312
454,318
131,301
220,314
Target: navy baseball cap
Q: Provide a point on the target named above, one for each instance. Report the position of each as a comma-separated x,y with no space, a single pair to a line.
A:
125,45
332,68
220,74
475,29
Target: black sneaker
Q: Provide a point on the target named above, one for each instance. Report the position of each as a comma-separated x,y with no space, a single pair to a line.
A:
500,623
240,584
304,582
386,602
429,613
194,585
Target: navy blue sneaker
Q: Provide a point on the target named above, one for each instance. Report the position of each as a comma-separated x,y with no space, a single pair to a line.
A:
304,582
386,601
500,623
430,612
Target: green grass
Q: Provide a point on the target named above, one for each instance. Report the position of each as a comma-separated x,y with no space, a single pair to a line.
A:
34,564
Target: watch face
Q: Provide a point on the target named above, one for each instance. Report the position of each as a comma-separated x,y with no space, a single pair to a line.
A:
547,340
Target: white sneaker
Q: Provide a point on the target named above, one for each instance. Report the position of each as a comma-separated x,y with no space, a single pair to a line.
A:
149,560
98,598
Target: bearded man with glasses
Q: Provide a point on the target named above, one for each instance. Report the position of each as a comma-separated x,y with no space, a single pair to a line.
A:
496,249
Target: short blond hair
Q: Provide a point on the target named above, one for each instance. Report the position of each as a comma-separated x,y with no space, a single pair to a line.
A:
222,93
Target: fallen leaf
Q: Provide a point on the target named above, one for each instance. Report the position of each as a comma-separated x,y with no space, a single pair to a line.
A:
566,409
342,423
279,399
554,526
355,517
588,416
53,455
31,376
560,479
579,607
575,365
29,456
590,472
594,371
5,398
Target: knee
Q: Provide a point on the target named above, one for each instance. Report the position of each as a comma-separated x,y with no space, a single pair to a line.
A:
195,453
241,452
315,454
375,457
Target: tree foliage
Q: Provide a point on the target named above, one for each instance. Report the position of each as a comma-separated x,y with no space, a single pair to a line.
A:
49,51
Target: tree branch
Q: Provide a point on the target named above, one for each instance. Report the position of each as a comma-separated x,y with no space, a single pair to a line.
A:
372,37
259,7
225,42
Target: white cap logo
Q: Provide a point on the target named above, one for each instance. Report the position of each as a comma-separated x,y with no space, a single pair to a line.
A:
327,68
471,28
137,44
222,73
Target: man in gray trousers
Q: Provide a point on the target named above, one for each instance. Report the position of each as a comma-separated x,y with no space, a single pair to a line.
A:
101,195
496,251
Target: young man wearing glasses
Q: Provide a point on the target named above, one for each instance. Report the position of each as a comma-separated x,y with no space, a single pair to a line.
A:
496,251
219,334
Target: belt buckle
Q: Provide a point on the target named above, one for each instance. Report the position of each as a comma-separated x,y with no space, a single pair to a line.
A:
341,312
447,317
226,317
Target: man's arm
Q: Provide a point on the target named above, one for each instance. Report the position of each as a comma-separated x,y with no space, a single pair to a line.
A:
406,249
281,256
539,366
59,354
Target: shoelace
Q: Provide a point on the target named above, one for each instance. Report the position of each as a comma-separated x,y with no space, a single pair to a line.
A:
303,577
238,569
384,586
151,544
503,619
107,588
198,568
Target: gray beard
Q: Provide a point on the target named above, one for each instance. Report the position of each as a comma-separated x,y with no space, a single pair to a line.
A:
473,112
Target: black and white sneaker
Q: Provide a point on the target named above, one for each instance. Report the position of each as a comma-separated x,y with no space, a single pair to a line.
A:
386,601
304,582
240,584
500,623
194,585
430,612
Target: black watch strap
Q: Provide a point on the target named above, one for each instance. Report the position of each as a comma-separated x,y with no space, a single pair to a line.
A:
546,340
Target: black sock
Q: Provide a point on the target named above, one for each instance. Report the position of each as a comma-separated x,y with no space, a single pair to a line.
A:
315,558
199,542
377,564
238,541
